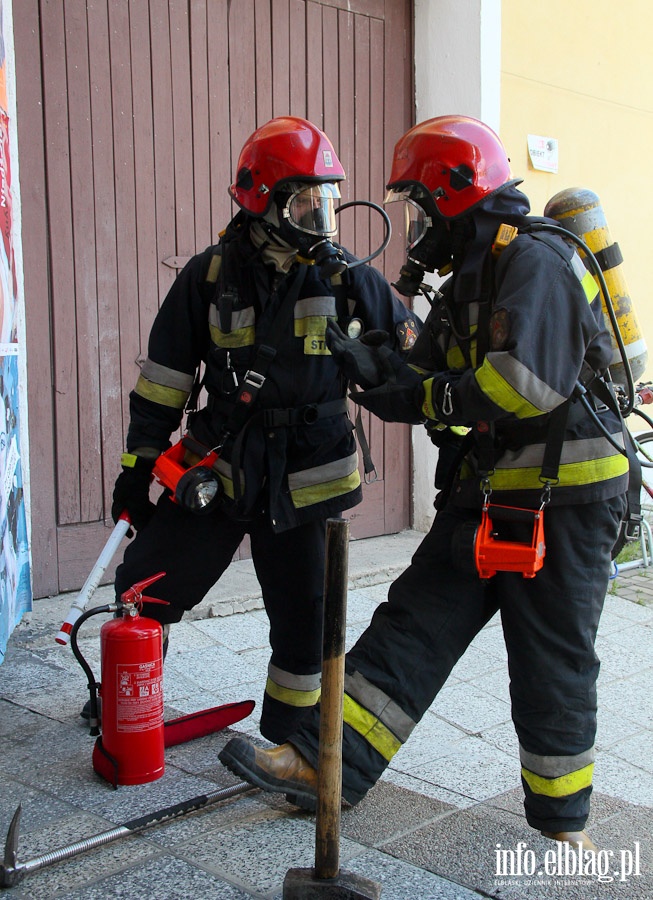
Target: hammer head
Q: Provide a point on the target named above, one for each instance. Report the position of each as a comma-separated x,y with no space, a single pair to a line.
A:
302,884
10,872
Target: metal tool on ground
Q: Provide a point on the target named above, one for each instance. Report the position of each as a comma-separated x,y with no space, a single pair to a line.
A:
95,575
327,879
12,872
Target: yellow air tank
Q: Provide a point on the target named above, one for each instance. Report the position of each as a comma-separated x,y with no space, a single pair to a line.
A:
579,210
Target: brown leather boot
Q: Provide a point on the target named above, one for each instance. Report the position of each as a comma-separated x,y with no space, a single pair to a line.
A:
282,769
573,838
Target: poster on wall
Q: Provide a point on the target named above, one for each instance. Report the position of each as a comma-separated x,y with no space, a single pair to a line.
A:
15,581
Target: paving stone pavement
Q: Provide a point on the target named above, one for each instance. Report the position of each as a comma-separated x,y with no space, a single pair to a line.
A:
445,822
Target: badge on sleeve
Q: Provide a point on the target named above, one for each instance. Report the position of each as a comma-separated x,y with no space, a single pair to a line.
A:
406,334
499,329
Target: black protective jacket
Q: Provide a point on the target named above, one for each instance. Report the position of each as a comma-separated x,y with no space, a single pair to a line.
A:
296,452
509,342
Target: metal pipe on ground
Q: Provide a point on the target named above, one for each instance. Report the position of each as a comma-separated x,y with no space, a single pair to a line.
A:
327,879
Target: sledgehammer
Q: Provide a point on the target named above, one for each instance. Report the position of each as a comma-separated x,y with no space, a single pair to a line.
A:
326,879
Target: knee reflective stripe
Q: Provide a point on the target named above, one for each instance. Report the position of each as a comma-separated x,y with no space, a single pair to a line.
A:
293,690
370,728
557,776
377,718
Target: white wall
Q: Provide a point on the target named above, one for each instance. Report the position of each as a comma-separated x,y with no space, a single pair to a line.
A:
457,70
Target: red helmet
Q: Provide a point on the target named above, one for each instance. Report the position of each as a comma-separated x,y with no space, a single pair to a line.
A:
459,160
285,149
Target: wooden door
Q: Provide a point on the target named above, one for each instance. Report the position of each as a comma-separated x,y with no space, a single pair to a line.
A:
131,115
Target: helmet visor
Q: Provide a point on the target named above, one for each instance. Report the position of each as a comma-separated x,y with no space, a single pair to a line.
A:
417,221
311,208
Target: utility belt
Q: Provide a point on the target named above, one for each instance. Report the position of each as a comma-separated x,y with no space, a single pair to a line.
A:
282,418
536,432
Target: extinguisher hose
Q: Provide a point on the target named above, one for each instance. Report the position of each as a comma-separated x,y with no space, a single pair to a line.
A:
93,685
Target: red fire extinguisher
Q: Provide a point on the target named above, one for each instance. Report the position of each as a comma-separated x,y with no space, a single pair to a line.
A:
130,749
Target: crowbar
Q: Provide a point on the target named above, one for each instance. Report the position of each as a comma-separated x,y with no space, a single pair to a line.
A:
11,871
90,585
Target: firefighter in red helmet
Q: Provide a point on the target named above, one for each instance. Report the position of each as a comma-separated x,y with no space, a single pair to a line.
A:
514,337
251,313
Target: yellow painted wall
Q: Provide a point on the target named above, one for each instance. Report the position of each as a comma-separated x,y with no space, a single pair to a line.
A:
581,71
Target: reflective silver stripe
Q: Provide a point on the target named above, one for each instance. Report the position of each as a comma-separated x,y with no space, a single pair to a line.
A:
578,266
158,374
240,318
315,306
555,766
572,452
521,379
330,471
380,705
294,682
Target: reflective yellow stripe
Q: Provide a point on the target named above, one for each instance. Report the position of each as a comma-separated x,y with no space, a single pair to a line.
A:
563,786
239,337
370,728
315,493
569,475
224,471
310,325
585,277
427,406
214,268
157,393
455,357
503,394
589,286
291,697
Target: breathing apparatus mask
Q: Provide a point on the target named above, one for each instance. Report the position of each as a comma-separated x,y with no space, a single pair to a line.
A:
428,239
304,216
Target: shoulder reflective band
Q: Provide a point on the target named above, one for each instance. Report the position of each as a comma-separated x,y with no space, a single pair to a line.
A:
586,278
214,268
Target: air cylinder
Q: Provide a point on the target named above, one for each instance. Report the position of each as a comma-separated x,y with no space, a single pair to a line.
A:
579,210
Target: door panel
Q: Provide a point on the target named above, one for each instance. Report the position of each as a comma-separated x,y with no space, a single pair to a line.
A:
134,112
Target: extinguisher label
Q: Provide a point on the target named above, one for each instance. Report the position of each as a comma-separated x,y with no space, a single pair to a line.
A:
139,696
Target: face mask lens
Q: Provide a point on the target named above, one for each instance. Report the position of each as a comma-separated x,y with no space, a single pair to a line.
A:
417,222
311,209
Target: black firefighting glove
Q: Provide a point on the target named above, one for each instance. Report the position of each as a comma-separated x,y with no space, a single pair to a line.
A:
399,399
131,491
363,360
449,441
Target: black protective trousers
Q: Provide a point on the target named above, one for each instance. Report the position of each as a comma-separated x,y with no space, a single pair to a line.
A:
194,551
435,610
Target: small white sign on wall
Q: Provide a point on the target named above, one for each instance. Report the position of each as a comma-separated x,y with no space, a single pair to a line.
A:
543,153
